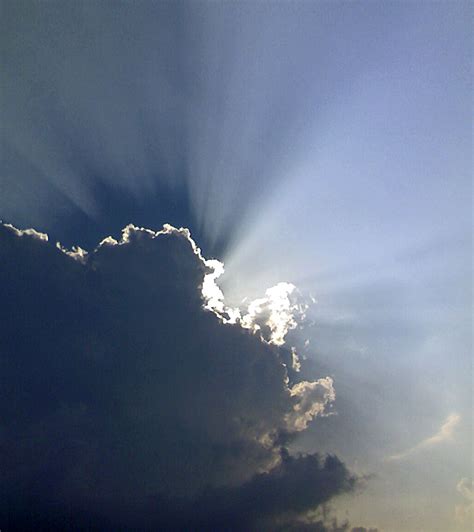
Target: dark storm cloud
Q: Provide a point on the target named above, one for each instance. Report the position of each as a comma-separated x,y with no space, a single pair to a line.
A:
126,403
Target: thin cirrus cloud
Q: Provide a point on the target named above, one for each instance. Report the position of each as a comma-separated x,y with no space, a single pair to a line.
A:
444,434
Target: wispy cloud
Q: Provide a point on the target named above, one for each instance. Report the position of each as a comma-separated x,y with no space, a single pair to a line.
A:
445,433
465,512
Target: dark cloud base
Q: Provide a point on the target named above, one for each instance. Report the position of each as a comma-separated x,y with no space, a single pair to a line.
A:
270,501
128,406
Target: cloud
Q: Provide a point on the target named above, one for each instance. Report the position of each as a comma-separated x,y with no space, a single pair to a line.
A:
275,313
271,316
27,232
465,512
128,399
445,433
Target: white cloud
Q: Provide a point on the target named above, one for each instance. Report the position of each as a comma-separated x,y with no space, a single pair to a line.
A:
312,400
273,315
76,252
28,232
278,310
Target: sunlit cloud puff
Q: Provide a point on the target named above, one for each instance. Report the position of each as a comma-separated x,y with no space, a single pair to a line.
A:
126,373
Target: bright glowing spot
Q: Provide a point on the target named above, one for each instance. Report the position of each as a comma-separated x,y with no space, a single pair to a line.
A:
276,311
214,296
272,315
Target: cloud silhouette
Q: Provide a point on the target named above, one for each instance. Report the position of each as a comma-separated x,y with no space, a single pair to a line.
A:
129,402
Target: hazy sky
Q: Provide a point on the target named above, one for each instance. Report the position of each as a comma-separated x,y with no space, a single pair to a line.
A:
327,144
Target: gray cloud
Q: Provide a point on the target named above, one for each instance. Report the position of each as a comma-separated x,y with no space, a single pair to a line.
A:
127,403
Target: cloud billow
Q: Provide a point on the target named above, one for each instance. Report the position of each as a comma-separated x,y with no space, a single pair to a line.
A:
126,403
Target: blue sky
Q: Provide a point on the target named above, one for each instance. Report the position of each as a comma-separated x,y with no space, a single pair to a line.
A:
324,144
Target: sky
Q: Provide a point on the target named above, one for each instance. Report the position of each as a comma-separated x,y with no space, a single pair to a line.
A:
325,145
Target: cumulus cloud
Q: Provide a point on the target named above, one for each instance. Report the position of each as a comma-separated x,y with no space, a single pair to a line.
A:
132,396
445,433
